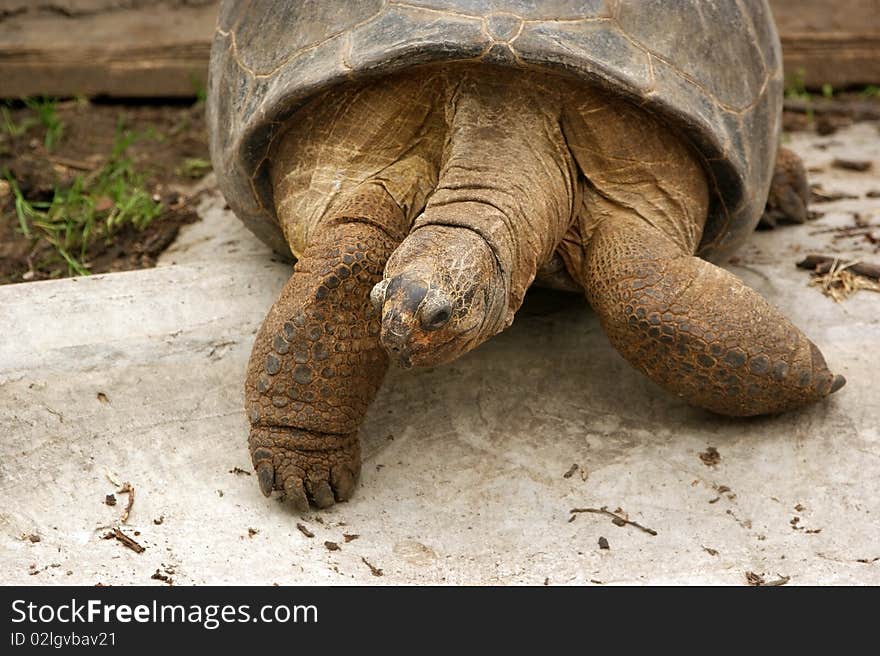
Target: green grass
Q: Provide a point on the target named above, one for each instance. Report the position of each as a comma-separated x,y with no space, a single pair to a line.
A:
93,207
871,91
797,90
194,167
796,87
199,89
12,128
45,114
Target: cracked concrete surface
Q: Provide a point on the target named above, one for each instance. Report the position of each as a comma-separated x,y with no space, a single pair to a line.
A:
138,377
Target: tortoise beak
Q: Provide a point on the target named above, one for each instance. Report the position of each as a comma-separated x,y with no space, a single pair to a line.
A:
395,340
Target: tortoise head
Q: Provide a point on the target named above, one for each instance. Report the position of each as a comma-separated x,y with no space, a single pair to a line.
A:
443,294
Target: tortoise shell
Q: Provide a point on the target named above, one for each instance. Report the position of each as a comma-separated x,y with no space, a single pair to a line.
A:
712,70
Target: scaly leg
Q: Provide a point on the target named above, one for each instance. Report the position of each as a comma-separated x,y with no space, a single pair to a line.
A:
349,175
316,363
690,326
696,329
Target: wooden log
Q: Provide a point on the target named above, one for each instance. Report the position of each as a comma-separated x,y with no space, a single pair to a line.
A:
841,60
102,47
836,43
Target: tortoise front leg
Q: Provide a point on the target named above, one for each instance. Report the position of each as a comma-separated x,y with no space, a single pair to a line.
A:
696,329
316,364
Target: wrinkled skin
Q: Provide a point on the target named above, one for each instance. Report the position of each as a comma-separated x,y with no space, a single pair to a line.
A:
421,207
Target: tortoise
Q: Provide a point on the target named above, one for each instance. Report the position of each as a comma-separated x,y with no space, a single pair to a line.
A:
426,161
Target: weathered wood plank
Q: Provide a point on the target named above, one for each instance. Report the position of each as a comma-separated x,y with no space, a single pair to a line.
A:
830,42
96,47
842,60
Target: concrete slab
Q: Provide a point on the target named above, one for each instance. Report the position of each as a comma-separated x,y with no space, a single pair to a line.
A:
138,377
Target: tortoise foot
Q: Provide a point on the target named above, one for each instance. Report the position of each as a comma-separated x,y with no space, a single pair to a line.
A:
789,192
308,467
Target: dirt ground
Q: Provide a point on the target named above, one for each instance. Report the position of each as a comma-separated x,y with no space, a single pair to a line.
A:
168,153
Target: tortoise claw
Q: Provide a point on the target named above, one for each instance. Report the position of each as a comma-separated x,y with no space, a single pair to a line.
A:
296,494
266,477
343,482
320,493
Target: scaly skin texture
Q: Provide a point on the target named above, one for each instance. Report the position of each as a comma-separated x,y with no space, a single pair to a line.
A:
388,131
349,176
690,326
316,363
696,329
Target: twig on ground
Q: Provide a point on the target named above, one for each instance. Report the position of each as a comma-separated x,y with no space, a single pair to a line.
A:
375,571
77,164
127,488
758,581
839,280
616,519
823,264
124,539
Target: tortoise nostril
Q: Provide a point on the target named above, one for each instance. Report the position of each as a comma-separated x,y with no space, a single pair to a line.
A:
436,316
